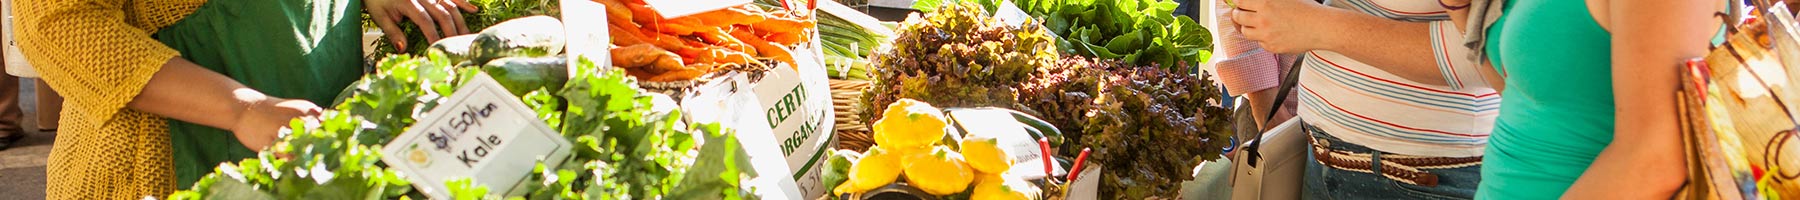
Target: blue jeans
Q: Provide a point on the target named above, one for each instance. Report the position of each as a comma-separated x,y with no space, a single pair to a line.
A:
1325,182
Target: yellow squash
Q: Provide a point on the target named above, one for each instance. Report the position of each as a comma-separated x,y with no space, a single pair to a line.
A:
996,187
909,124
984,154
941,172
876,168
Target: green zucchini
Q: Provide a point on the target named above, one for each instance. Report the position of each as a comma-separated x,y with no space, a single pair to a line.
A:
521,75
535,36
456,48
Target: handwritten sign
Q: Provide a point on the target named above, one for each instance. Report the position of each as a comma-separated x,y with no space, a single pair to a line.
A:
482,132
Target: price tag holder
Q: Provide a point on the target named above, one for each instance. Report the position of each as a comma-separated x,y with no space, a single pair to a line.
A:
482,132
591,42
673,9
1011,15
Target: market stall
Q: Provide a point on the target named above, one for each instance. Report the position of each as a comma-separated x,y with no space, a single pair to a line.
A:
766,99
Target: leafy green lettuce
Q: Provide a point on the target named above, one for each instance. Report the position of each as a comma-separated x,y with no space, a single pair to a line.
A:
626,150
1141,32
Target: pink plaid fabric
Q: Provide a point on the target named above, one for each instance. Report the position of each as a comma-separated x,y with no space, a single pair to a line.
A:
1246,68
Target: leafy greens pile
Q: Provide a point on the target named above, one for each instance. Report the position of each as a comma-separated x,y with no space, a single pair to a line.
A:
956,57
625,149
492,12
1141,32
1119,110
959,57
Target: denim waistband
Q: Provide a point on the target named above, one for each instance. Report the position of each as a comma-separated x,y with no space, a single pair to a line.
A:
1319,135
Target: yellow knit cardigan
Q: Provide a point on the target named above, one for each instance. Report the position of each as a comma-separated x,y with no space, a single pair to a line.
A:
99,54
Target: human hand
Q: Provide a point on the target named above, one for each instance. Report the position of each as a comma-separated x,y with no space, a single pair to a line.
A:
1284,26
436,18
260,122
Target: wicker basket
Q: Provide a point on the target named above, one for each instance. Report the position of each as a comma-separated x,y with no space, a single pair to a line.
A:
851,132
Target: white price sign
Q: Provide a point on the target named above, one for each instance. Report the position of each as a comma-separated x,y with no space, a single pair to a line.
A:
482,132
1010,14
591,42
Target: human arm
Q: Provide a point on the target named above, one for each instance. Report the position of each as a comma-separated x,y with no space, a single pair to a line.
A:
1246,69
88,52
1649,41
1293,26
185,91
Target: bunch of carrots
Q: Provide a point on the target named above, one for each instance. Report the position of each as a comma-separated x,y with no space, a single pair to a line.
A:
652,48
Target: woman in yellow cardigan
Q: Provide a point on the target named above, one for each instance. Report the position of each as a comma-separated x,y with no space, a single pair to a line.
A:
139,73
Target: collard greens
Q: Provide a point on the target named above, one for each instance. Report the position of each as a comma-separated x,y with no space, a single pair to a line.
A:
1140,32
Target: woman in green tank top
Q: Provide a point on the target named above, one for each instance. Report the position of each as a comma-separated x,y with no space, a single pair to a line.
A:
1590,105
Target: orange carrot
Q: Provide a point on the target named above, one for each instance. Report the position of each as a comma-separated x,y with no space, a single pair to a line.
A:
718,36
645,56
616,11
764,48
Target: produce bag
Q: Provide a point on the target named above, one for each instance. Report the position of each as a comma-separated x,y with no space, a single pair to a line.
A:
1739,108
760,72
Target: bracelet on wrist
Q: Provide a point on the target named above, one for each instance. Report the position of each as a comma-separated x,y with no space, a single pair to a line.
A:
1450,7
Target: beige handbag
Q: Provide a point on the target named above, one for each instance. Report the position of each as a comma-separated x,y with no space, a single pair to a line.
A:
1273,170
1270,165
1739,106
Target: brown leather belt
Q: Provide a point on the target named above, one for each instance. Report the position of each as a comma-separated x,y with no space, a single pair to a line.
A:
1404,168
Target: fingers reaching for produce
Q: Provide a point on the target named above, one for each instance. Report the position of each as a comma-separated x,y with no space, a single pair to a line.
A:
260,122
449,19
464,5
435,18
386,22
419,13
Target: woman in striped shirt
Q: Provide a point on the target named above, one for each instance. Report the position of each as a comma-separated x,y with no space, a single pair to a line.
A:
1378,134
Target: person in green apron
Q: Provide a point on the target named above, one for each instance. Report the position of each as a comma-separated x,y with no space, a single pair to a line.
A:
300,49
147,77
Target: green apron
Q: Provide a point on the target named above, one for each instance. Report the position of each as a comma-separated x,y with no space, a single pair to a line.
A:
298,49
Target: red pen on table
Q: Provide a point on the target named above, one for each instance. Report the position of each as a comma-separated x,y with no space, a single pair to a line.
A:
813,4
1044,145
1079,160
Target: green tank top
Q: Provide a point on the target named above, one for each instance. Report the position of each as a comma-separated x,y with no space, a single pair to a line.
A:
300,49
1558,112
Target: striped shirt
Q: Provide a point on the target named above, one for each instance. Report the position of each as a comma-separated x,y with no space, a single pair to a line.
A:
1365,105
1368,106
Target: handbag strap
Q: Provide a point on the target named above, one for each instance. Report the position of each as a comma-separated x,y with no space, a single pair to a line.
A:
1288,82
